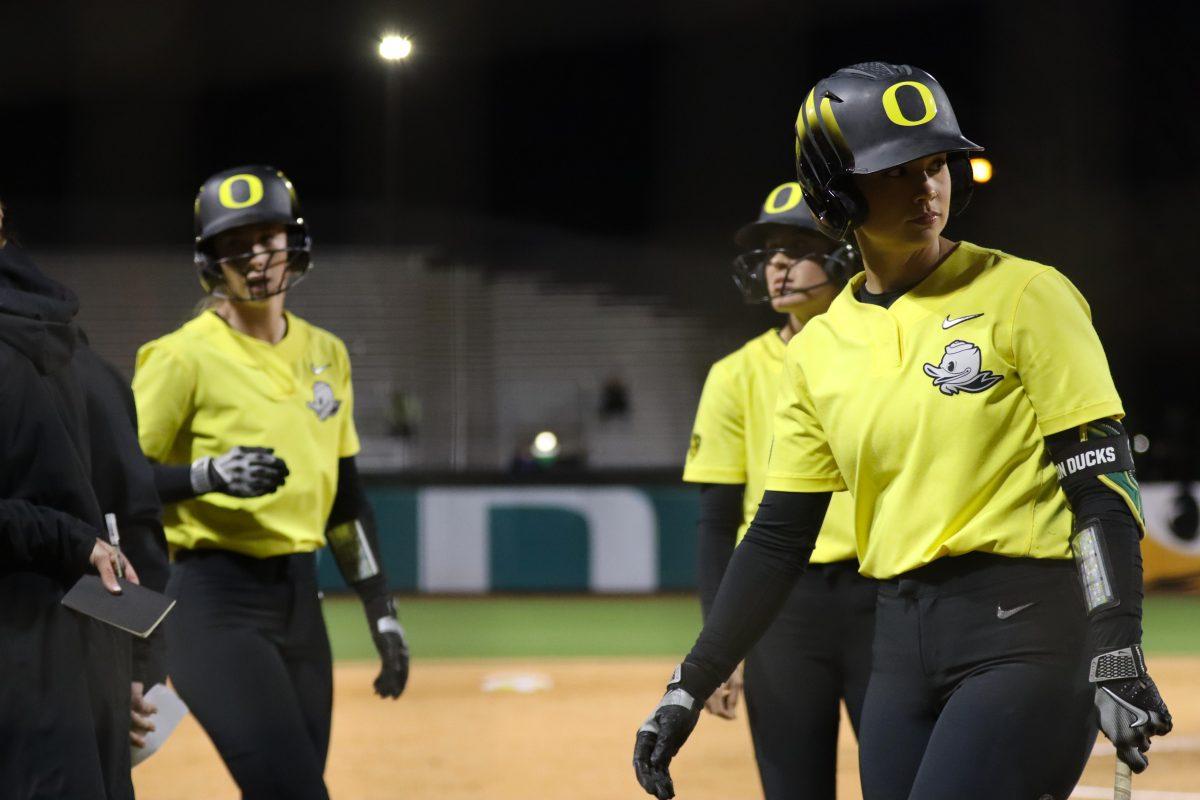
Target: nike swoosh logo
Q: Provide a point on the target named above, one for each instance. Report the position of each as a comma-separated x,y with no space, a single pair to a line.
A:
1140,717
318,370
950,323
1005,613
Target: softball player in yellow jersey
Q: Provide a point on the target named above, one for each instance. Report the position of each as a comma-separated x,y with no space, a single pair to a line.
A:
963,398
818,649
248,413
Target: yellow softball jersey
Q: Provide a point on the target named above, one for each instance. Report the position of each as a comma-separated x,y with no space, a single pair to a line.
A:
933,412
732,438
206,388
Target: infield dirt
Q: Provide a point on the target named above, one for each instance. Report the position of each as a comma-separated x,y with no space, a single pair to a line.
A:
447,739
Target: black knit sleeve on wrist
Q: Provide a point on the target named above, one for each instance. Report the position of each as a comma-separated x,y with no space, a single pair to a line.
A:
173,482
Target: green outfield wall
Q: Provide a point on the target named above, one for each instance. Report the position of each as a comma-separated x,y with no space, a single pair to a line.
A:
474,539
606,537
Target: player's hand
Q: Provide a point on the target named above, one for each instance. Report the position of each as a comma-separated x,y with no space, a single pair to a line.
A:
388,636
1131,711
140,711
661,736
724,701
104,559
240,472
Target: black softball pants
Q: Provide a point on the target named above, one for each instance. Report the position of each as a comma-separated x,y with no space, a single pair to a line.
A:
816,653
979,686
248,653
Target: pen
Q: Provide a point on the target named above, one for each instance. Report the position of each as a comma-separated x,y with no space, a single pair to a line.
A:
114,538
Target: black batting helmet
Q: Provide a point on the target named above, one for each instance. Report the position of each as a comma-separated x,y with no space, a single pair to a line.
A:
250,195
868,118
785,210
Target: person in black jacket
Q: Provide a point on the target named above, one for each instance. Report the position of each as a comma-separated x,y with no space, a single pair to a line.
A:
64,675
124,483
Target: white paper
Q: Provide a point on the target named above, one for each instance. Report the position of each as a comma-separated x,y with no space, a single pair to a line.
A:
170,711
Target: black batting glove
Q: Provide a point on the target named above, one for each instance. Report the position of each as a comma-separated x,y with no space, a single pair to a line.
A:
240,472
393,650
661,736
1131,709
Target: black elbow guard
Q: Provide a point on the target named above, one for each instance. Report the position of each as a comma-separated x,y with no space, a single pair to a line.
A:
1096,455
1080,462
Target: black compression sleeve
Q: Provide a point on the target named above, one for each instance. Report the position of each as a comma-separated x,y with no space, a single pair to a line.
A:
716,532
1120,625
351,507
762,571
173,481
350,497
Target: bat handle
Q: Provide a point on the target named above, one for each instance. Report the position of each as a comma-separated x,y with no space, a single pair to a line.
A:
1122,782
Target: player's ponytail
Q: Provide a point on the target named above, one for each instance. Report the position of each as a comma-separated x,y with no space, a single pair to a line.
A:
206,303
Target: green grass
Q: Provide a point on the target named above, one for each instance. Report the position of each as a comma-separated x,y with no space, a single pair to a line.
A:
440,627
1171,624
522,627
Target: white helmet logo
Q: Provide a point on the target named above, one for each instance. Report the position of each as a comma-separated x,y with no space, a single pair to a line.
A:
959,370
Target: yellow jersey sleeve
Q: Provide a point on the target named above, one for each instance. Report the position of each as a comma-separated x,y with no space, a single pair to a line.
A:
348,444
717,453
1059,357
801,459
163,389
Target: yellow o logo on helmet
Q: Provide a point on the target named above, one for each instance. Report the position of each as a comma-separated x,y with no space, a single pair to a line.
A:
892,108
254,188
778,202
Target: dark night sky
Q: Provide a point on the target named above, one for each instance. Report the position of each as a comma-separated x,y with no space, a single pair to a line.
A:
617,141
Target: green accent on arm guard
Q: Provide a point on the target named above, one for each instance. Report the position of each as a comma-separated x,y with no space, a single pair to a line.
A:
1124,482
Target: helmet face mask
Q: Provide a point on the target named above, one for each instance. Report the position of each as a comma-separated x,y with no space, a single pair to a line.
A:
786,222
750,269
295,267
242,197
868,118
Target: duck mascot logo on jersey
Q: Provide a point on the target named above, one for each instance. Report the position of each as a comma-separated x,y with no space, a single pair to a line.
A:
323,404
959,370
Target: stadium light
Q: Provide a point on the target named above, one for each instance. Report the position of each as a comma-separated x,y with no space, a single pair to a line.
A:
981,170
394,47
394,50
545,445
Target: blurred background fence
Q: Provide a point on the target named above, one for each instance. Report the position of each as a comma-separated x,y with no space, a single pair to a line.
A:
455,367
